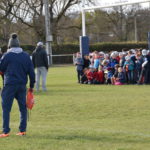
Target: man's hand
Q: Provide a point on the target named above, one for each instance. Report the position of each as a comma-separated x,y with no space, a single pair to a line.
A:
30,89
1,73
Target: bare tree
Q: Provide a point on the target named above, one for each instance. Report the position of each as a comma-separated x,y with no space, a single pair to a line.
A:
30,13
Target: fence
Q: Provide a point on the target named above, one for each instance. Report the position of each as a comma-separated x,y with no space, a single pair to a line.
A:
63,59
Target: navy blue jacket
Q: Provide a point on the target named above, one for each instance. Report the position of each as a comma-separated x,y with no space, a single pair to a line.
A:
16,68
112,63
121,77
39,58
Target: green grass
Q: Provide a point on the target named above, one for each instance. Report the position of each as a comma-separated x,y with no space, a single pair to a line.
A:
71,116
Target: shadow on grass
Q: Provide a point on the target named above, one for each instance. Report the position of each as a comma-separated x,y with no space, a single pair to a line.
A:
103,138
66,89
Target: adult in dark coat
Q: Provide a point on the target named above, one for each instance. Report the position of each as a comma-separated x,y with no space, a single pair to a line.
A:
40,62
16,66
86,61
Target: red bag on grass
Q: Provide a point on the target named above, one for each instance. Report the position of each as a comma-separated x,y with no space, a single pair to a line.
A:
30,100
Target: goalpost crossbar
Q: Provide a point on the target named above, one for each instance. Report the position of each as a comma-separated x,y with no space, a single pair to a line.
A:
114,5
85,9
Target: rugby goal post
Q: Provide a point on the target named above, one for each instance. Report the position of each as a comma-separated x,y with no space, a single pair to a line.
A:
85,9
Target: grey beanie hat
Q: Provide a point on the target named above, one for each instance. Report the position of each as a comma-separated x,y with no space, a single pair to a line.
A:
13,41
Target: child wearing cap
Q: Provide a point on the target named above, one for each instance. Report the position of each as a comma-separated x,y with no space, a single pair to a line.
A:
113,61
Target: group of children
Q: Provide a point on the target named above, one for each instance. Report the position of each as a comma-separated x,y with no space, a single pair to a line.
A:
117,68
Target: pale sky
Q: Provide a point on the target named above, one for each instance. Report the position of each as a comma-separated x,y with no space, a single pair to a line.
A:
106,2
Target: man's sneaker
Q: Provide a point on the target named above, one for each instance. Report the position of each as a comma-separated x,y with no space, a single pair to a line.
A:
3,135
21,133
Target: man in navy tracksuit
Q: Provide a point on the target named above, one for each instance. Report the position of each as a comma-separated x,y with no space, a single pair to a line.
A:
16,66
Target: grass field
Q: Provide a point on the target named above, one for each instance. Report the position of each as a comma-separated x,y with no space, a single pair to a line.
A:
70,116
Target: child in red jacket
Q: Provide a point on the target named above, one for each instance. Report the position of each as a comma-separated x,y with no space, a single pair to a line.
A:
90,75
99,76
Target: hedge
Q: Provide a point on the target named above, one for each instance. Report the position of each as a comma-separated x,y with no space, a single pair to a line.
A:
73,48
107,47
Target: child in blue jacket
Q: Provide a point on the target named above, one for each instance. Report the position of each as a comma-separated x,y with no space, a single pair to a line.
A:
121,76
129,68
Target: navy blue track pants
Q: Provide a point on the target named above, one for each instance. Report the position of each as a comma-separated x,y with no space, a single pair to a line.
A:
10,92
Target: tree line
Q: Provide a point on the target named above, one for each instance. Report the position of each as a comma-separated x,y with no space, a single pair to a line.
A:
26,17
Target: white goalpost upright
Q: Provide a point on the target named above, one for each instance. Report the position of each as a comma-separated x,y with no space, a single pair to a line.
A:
85,9
83,19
